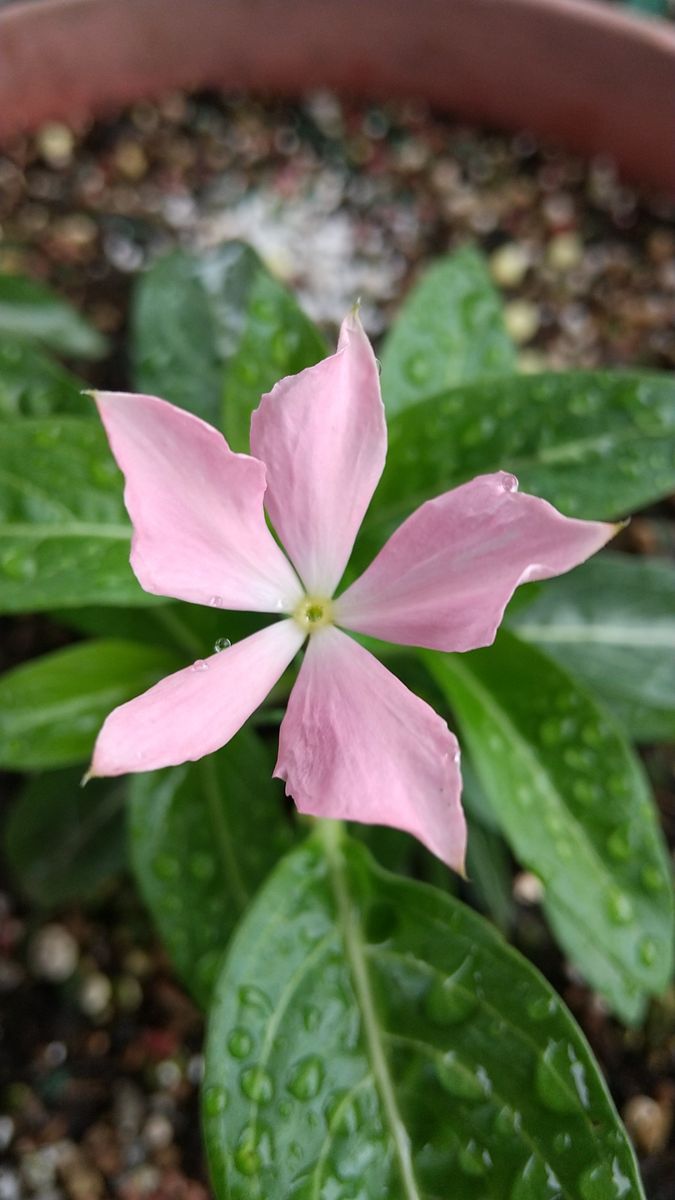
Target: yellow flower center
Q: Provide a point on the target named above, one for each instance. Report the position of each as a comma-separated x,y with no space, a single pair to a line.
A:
314,612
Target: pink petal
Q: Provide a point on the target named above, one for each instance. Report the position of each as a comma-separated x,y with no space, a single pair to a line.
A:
196,710
196,508
356,744
446,575
323,438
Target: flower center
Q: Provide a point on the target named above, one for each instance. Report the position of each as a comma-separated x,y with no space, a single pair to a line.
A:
314,612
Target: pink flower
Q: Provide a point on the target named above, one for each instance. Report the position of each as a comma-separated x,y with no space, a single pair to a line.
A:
354,743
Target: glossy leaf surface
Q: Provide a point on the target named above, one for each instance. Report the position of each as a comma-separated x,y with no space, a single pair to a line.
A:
575,805
213,332
612,624
596,445
450,331
62,841
31,311
51,708
203,838
32,385
356,1048
64,532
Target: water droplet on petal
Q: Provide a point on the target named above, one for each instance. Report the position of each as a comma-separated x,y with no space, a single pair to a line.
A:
509,482
216,602
200,664
222,643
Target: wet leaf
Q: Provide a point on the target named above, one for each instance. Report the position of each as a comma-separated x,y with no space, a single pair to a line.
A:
51,708
32,312
612,624
203,838
62,841
575,805
597,445
64,532
32,385
450,331
372,1037
212,332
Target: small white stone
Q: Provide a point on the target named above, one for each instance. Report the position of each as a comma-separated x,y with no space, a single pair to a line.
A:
509,264
53,953
522,320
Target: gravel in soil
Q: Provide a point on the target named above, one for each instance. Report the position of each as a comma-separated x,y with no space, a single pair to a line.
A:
100,1048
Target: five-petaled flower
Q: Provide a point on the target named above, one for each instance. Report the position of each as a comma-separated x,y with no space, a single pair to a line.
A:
355,743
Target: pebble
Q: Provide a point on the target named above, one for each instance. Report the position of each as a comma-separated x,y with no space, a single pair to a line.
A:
648,1123
95,994
509,265
56,144
564,251
528,888
53,953
522,319
157,1132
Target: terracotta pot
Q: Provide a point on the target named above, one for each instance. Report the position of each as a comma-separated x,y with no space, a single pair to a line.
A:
579,73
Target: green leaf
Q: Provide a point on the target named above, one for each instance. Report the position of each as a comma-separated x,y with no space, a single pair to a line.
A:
203,837
31,311
34,386
595,445
449,332
213,331
574,803
51,708
64,842
612,624
64,533
372,1037
190,628
488,863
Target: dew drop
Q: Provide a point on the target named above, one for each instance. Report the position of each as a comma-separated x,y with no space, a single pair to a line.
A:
246,1157
306,1078
452,999
202,867
619,907
417,368
606,1181
508,1121
19,565
251,996
536,1181
257,1085
459,1079
560,1078
562,1141
474,1160
652,879
550,731
239,1043
221,643
509,482
216,601
200,664
542,1008
216,1100
648,951
618,843
311,1017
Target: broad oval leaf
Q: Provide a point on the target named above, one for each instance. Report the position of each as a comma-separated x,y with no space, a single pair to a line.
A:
32,385
203,837
31,311
64,842
372,1037
213,331
51,708
597,445
450,331
64,533
612,623
573,801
